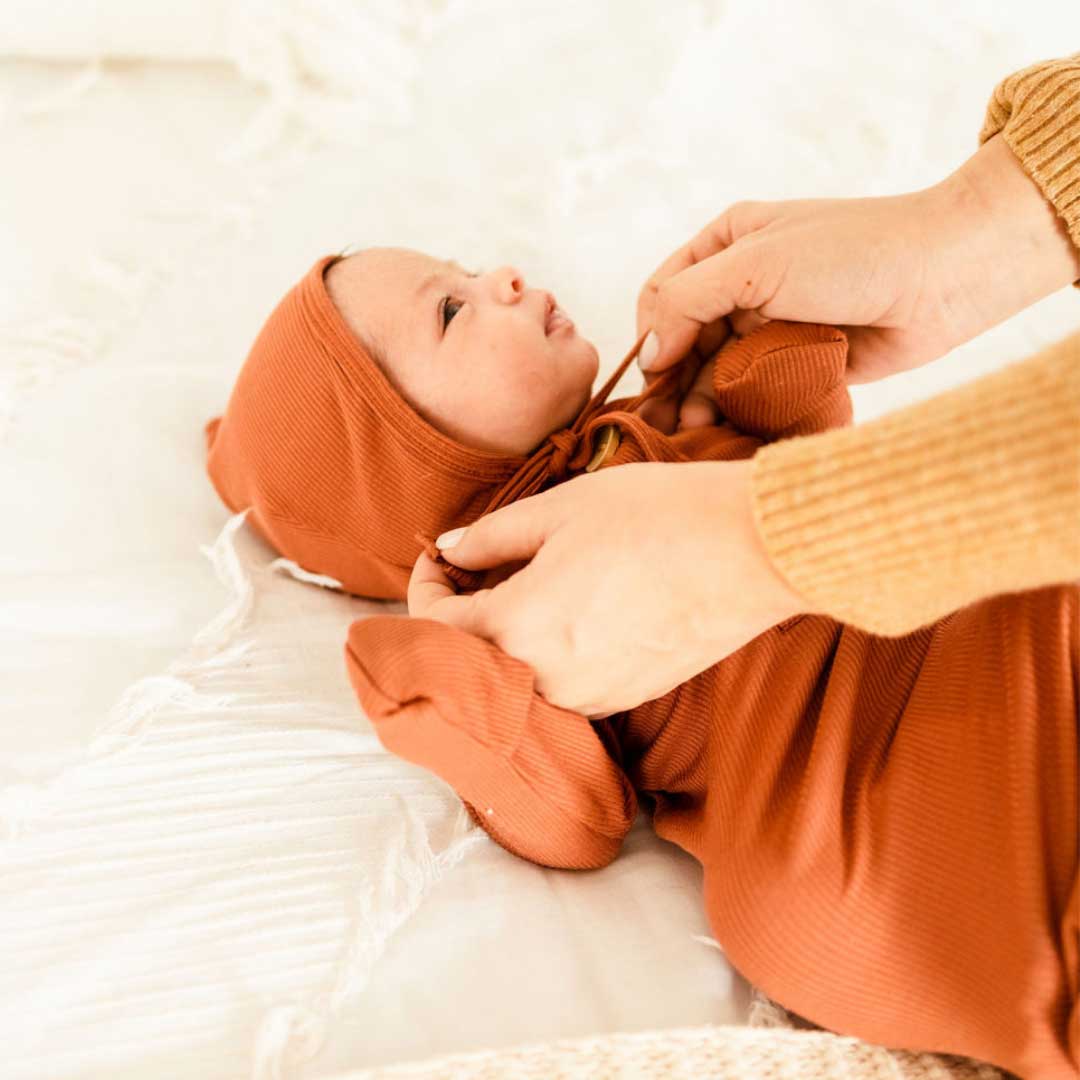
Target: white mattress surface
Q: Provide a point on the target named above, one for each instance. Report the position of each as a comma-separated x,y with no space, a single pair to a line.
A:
210,867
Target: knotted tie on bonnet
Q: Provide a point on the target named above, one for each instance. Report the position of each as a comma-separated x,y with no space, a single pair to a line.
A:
341,474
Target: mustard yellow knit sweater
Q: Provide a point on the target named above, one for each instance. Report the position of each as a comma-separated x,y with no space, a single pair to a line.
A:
892,524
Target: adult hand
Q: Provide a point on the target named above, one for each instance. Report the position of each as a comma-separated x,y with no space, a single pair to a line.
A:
908,277
640,578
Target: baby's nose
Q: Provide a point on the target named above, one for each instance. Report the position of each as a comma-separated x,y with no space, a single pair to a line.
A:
511,283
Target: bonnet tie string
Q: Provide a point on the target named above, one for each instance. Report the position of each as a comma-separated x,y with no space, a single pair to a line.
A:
557,456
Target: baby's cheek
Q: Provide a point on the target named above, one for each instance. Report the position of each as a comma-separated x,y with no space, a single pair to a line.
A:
578,370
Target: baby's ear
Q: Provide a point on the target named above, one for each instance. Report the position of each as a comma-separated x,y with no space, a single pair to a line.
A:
210,429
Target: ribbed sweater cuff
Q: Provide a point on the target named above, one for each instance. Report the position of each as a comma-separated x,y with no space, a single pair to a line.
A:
892,524
1037,110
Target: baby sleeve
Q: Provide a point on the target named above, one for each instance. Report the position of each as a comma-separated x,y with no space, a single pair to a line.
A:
539,779
784,379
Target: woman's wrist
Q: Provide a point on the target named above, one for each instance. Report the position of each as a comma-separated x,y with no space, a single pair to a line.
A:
780,600
1000,245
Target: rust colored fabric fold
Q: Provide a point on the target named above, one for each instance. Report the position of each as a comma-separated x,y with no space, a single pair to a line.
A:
888,826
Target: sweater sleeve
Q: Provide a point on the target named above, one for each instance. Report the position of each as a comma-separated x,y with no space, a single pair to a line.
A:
1037,111
545,783
892,524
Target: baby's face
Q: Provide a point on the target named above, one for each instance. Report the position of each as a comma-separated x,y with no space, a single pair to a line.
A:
479,356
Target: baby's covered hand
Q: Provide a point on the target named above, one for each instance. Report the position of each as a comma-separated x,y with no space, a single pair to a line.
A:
779,380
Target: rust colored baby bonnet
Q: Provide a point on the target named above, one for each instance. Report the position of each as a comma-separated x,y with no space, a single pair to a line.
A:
338,470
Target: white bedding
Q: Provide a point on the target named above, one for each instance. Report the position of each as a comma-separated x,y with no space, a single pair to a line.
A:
210,867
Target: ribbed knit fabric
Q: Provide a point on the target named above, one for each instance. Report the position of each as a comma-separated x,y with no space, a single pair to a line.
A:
888,826
891,524
894,523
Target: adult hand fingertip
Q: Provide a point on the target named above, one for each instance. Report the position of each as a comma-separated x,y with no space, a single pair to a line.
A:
450,539
512,532
650,350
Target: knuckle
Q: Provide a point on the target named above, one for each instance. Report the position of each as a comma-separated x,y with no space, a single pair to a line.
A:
664,299
647,294
743,211
486,613
723,228
513,634
744,218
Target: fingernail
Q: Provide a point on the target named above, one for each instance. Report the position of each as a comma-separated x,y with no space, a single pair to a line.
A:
648,351
449,539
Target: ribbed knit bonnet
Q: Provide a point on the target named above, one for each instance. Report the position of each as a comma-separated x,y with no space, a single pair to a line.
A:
341,474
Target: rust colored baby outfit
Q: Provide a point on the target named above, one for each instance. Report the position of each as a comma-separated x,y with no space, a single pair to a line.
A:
887,826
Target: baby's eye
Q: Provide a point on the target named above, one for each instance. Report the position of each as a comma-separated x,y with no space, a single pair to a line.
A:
448,314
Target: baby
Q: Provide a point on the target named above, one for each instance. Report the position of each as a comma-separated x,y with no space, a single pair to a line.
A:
869,812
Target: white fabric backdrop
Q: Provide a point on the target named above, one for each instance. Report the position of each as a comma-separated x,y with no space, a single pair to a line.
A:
210,868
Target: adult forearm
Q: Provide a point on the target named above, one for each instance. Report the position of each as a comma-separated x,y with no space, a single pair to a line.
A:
1000,244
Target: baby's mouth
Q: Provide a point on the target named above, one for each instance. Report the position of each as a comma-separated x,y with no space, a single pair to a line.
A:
557,320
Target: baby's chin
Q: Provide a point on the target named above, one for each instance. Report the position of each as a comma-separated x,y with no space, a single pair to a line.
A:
587,358
578,375
585,365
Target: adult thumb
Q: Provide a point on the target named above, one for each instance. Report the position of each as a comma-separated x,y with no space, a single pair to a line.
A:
510,534
695,298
